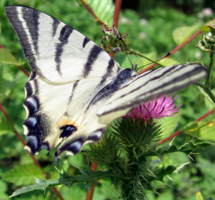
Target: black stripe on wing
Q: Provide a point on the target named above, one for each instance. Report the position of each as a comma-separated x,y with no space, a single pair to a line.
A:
65,33
30,17
64,36
86,40
93,55
106,92
175,80
154,72
73,90
108,73
55,24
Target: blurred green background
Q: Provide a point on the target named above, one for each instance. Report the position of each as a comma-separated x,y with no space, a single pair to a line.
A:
150,26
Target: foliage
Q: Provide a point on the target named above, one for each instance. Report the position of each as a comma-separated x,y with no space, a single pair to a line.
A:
130,165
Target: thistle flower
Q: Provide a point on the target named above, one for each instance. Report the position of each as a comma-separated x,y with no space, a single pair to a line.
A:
155,109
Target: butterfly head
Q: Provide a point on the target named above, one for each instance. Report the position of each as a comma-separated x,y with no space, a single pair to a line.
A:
126,74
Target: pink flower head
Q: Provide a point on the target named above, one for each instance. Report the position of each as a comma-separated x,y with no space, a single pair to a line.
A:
155,109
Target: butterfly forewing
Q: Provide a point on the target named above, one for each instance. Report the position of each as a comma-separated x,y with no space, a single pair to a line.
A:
75,88
55,49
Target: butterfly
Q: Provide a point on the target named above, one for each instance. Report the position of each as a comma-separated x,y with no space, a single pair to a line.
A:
75,88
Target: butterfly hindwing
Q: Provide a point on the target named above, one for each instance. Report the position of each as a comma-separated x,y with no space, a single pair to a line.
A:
75,88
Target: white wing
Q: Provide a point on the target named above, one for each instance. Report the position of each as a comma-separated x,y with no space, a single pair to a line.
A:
68,69
56,51
75,89
148,86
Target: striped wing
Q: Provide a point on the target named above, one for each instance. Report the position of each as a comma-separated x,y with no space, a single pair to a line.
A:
68,69
57,52
148,86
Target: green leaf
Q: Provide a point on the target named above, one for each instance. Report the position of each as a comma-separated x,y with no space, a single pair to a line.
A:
201,130
89,176
5,126
181,34
186,148
3,190
168,62
163,172
64,176
104,10
205,27
7,58
208,102
40,185
199,196
6,82
168,125
190,146
23,174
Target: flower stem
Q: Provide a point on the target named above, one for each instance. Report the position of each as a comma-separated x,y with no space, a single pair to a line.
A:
116,12
207,90
210,67
210,94
91,11
90,193
131,51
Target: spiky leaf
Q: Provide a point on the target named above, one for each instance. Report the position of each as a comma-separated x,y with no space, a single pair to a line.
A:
23,174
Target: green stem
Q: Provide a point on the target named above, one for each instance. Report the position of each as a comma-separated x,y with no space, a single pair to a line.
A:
210,94
131,51
210,67
207,90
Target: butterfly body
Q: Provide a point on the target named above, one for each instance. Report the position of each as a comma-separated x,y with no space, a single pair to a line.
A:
75,88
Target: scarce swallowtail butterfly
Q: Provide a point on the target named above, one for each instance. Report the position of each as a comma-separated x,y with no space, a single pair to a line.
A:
75,88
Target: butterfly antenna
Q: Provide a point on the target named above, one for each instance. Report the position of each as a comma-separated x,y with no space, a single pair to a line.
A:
168,54
120,38
129,60
126,54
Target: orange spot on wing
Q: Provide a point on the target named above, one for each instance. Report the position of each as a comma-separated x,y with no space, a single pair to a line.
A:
63,121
